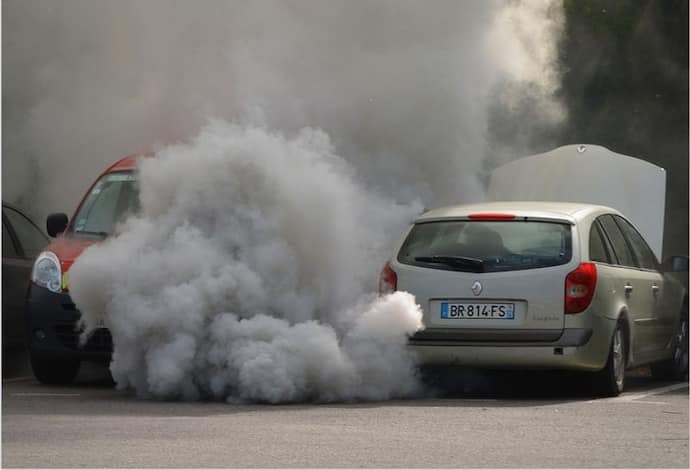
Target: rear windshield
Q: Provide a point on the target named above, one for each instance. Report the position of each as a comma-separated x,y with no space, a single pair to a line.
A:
112,198
487,246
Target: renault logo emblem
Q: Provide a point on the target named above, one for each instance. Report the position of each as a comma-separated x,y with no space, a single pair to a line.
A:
477,288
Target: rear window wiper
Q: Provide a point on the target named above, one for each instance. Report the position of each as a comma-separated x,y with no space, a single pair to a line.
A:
462,263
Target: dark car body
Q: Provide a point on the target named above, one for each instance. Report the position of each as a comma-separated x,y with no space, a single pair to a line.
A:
22,240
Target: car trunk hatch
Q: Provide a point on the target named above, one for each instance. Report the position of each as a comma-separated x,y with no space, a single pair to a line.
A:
510,306
508,289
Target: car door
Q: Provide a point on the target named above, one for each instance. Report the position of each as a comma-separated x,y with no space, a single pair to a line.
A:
663,318
636,284
21,242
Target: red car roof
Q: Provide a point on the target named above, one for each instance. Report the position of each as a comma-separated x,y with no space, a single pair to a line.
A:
127,163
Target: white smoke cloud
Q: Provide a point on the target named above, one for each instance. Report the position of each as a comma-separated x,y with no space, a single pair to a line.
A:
401,86
247,274
524,42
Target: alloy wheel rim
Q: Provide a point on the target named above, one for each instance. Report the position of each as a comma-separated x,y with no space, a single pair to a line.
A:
680,355
618,357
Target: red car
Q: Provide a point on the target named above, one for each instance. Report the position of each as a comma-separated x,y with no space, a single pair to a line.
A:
53,338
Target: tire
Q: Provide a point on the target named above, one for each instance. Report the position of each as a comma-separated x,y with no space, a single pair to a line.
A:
675,368
55,372
610,381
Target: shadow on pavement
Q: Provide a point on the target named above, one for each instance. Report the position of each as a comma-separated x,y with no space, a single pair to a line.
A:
15,363
526,385
446,384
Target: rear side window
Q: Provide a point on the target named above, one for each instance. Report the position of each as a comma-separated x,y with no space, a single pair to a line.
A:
487,246
597,246
620,246
644,255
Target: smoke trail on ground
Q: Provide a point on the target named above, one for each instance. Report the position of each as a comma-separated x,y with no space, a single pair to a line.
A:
246,275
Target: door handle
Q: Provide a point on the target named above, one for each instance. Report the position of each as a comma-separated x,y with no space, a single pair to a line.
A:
655,289
628,289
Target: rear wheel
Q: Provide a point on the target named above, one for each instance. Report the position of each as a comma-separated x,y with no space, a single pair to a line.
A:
676,367
610,381
54,372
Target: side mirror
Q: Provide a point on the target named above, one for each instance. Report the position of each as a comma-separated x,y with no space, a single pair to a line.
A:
56,224
675,264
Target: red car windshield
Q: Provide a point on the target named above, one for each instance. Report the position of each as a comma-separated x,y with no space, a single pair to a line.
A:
112,198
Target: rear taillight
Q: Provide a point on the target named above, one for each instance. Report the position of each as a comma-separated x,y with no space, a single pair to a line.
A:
579,287
388,280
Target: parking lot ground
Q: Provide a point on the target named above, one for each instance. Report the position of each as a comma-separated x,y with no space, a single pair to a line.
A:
532,420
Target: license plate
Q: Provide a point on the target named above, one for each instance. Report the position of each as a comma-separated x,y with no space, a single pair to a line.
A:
469,310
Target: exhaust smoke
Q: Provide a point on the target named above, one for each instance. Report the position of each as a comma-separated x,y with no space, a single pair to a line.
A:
246,275
401,86
326,127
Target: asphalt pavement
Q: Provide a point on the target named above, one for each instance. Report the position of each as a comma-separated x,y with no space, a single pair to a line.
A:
485,420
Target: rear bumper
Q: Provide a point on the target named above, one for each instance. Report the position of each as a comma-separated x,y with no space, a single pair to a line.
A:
575,349
51,322
503,337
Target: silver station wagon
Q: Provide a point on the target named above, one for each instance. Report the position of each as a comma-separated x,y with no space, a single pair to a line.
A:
542,285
